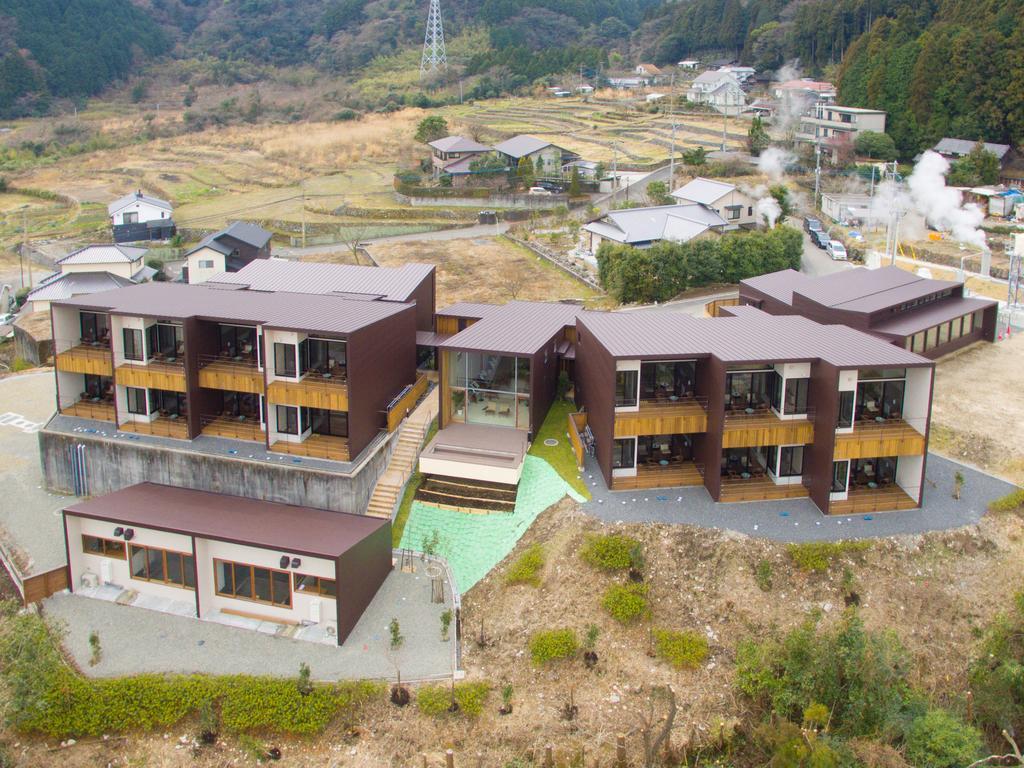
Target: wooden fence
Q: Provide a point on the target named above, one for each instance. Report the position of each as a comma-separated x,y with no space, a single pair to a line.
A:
712,308
402,405
577,423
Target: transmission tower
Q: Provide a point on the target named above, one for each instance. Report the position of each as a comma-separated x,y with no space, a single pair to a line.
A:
434,56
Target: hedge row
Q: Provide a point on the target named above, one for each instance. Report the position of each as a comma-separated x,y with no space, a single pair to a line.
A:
49,697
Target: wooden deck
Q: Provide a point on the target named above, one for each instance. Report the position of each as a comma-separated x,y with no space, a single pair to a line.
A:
160,427
86,358
765,428
169,377
894,437
758,489
873,500
87,409
315,447
672,476
231,375
311,392
663,417
226,426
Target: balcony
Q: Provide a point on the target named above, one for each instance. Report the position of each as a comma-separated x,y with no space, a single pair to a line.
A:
91,408
85,357
233,427
162,426
316,447
862,499
761,426
664,417
313,390
234,374
167,374
882,437
670,475
758,488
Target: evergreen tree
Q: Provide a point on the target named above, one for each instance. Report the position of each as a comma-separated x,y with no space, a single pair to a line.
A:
524,170
758,139
574,182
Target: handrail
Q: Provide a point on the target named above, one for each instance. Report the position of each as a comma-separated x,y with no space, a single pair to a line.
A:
142,365
248,361
403,404
763,412
696,399
865,426
65,345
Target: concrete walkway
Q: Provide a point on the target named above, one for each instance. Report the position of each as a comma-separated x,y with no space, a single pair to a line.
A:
798,519
139,640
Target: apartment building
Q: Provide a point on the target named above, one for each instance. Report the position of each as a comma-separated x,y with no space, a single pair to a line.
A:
216,556
754,407
929,317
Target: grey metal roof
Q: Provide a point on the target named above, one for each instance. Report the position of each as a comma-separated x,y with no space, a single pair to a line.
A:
521,146
391,283
869,290
779,285
517,328
103,254
211,242
248,233
962,147
705,191
132,197
663,222
76,284
296,311
458,144
921,318
714,77
753,336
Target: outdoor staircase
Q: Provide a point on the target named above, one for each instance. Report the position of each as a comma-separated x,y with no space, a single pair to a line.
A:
403,458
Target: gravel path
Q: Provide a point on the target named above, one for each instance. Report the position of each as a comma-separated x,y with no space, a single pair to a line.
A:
799,519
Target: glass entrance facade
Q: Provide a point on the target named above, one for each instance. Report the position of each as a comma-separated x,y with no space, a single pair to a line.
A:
488,389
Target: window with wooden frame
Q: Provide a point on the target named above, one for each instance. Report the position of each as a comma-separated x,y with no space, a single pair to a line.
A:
176,569
94,545
314,585
252,582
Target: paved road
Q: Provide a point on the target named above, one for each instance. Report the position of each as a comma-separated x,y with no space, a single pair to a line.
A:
691,306
457,233
817,263
799,519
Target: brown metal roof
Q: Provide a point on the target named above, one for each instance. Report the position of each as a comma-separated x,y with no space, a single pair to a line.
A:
286,528
517,328
779,285
869,290
470,309
430,339
922,318
749,336
178,301
392,283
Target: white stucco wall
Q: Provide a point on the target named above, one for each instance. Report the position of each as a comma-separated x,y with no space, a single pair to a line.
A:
146,211
200,274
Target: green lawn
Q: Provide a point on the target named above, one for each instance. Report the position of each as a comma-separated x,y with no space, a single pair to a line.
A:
560,456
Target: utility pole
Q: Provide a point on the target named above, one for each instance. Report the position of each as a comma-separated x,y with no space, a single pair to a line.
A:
24,247
725,120
817,172
434,54
302,186
672,117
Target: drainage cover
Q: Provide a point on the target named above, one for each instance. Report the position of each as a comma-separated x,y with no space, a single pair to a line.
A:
551,442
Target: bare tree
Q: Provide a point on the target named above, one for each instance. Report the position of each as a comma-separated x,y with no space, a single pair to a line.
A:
513,279
353,237
1013,758
657,728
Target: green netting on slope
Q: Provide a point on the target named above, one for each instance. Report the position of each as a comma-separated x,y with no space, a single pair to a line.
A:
473,544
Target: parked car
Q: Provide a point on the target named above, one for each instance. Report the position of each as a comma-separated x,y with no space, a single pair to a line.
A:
812,225
836,250
538,191
551,186
820,238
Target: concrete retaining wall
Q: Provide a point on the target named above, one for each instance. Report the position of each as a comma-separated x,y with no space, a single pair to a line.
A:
537,202
115,464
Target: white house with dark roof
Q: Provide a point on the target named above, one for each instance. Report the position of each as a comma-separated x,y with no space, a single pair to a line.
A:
138,208
642,227
727,200
91,269
546,157
718,88
453,155
57,286
227,251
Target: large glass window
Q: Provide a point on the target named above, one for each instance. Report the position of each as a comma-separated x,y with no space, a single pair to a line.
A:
238,342
94,545
326,357
287,420
873,473
624,453
166,342
167,404
775,391
174,568
745,463
662,450
791,461
97,388
796,395
325,422
878,396
284,360
95,328
845,409
251,582
132,344
241,405
968,326
918,342
840,469
626,389
136,400
488,389
748,389
954,329
667,380
943,333
932,336
316,585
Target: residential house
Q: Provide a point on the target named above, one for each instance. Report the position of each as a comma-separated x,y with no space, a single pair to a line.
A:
57,286
652,73
754,407
743,74
627,83
217,557
260,379
138,216
735,206
927,317
547,158
797,97
453,157
1011,164
642,227
846,208
718,88
229,250
90,269
834,127
689,64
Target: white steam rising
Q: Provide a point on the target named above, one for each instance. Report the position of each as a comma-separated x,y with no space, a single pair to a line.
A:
942,206
773,162
768,208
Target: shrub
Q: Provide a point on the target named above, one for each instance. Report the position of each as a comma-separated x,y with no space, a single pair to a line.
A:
940,740
396,635
20,364
683,650
763,575
818,555
553,644
610,552
626,602
527,567
436,700
346,114
1011,502
997,674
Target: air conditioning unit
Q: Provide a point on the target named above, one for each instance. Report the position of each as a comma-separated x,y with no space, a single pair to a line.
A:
90,579
106,571
331,628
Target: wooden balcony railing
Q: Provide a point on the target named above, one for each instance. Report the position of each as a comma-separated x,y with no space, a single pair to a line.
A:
161,426
233,427
887,499
313,390
402,405
233,374
155,374
885,437
672,475
100,409
78,356
664,417
761,426
316,447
